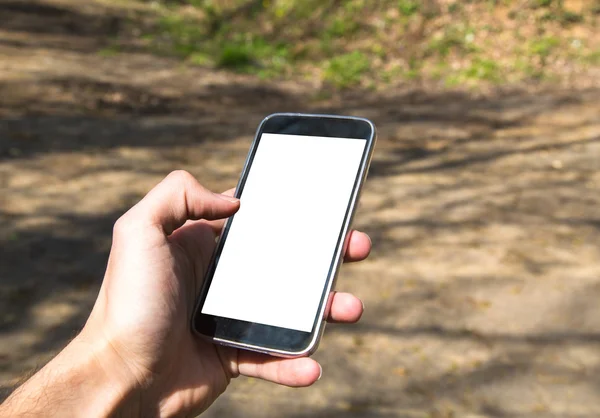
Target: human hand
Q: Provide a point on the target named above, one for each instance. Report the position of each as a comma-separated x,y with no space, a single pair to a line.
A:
139,329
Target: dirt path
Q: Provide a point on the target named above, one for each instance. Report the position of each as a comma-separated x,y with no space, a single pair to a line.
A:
482,290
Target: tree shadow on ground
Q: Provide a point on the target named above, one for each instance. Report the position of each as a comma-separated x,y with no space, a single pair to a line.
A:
449,168
42,22
67,257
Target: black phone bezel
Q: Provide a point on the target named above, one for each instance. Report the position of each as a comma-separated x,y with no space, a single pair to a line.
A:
256,335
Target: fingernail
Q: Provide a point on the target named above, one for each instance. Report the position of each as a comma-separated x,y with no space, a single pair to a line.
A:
363,304
228,198
320,372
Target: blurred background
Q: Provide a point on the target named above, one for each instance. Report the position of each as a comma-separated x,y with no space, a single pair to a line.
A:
483,202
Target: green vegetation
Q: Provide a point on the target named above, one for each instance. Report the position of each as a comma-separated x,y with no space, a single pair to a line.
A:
571,17
236,56
408,7
479,69
346,70
341,27
109,51
543,47
483,69
592,58
358,42
248,55
455,7
454,37
241,52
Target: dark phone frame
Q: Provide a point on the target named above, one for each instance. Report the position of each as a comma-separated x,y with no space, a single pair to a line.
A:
266,338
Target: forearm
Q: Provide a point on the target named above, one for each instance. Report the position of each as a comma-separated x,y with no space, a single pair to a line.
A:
83,380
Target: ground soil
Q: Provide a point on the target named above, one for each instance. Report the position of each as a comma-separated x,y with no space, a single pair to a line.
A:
482,289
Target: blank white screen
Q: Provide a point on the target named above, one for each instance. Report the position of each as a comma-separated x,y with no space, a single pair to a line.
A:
275,261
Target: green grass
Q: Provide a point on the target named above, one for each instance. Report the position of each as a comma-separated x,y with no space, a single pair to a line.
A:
408,7
523,65
570,18
360,42
483,69
109,51
454,38
236,56
543,47
414,69
455,7
200,58
181,36
253,54
532,60
564,17
238,51
480,69
341,27
346,70
592,58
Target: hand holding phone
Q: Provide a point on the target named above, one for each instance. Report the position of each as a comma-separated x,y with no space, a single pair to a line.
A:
302,178
136,352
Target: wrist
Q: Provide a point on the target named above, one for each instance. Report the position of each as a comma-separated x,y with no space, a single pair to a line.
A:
110,387
84,379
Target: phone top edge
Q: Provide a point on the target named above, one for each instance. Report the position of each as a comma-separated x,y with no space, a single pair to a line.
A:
263,126
317,115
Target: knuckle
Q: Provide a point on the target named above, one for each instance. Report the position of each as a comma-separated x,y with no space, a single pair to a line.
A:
128,225
181,177
120,226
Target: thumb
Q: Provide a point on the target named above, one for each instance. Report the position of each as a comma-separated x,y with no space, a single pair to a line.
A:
178,198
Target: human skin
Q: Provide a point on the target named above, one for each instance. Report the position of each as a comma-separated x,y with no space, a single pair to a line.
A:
136,355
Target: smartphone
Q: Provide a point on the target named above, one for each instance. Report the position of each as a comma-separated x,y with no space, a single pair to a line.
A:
267,287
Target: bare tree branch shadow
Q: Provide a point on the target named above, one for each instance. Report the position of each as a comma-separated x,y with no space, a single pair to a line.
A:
461,160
